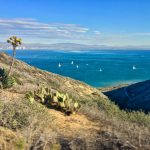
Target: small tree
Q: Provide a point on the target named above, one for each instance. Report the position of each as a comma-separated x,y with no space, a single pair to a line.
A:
15,42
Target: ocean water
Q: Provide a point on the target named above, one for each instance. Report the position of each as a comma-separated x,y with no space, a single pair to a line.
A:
98,68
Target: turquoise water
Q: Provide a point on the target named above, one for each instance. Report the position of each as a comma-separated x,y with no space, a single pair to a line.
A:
116,66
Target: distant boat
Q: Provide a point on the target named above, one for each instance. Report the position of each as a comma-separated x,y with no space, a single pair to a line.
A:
134,68
100,70
72,63
59,65
87,64
77,66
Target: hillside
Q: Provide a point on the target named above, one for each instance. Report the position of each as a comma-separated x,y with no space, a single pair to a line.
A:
30,77
134,97
99,124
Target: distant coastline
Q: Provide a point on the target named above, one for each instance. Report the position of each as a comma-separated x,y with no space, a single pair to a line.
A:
71,46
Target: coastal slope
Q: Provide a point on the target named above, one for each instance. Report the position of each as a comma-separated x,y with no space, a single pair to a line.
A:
134,97
99,123
30,77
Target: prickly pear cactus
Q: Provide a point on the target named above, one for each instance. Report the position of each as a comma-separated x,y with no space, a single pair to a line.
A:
54,99
30,97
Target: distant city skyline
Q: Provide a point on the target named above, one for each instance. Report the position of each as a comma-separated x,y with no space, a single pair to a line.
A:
91,22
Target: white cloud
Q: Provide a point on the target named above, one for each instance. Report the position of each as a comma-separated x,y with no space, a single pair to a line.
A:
97,32
32,30
9,25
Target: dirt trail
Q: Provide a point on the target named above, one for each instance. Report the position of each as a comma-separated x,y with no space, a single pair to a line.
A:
75,125
70,126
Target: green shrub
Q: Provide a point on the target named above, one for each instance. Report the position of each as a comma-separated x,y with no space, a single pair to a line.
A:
112,110
139,117
3,73
30,121
20,144
17,115
6,81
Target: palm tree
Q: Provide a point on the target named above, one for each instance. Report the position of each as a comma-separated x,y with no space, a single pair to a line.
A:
15,42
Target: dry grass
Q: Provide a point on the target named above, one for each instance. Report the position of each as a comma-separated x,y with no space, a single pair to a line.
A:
132,127
100,124
39,127
32,122
10,140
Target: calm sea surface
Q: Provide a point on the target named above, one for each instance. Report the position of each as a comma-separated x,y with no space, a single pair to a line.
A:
97,68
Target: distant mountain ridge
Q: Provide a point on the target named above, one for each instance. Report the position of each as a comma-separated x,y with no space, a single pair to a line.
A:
73,46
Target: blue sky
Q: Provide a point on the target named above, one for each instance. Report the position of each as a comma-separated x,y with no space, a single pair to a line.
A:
100,22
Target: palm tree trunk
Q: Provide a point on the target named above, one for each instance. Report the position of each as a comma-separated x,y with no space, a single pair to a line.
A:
13,60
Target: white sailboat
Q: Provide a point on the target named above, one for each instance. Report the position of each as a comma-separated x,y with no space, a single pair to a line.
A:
100,70
77,66
59,65
72,63
134,68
